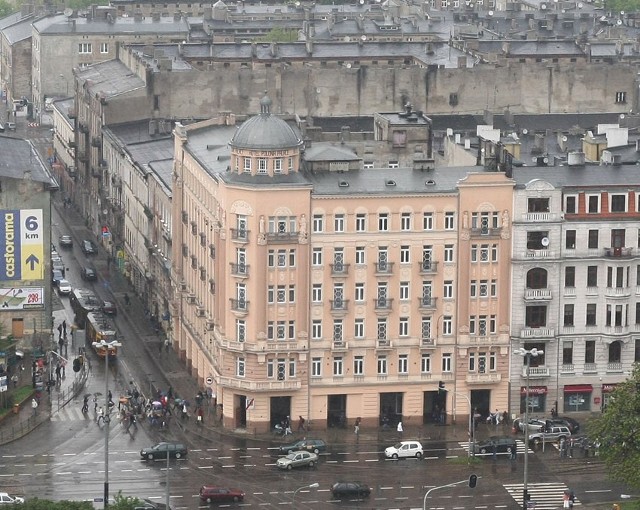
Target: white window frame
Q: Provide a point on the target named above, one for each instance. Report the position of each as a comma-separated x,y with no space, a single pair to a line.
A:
405,221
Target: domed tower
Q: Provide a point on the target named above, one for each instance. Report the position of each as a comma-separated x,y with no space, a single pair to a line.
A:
265,145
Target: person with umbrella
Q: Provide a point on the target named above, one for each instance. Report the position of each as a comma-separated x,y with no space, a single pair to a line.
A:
85,403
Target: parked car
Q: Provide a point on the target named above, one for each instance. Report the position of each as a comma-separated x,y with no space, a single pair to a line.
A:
161,450
404,449
350,489
88,273
211,494
57,263
56,276
65,241
88,248
573,425
553,433
535,425
64,288
5,499
297,459
109,307
11,126
310,445
503,444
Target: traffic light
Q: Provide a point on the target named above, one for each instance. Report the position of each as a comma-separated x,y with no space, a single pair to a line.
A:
473,480
77,364
441,388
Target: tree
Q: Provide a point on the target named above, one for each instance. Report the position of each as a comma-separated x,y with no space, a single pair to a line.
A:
617,430
6,8
279,34
120,503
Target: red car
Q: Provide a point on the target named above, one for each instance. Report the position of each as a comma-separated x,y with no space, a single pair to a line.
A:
211,494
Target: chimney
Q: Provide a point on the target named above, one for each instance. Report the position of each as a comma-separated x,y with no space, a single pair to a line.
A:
309,44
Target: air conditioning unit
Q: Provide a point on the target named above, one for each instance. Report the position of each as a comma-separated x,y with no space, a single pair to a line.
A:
200,312
191,299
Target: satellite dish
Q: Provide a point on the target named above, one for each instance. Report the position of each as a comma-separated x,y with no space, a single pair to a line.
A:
564,138
580,5
563,11
621,116
490,13
363,38
68,12
619,22
544,241
525,131
348,65
361,2
543,7
621,13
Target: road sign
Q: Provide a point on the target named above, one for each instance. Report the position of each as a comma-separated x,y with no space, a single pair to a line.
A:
209,381
3,383
21,244
250,403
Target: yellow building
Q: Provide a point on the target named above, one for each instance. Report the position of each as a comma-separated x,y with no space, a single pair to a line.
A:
335,281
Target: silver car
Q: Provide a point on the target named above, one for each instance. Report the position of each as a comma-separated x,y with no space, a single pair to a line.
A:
297,459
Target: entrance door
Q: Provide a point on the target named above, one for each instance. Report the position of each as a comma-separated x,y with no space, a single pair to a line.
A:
481,402
434,407
337,411
390,408
241,411
280,409
17,328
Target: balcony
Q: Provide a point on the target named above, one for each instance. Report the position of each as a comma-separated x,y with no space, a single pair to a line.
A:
535,372
240,235
384,268
615,368
427,342
241,270
382,303
485,232
537,333
282,237
540,254
339,346
384,344
260,385
339,305
618,253
590,368
540,217
239,305
537,294
617,292
486,378
339,269
428,267
427,303
567,368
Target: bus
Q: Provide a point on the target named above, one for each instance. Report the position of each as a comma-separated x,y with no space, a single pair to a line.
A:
83,301
99,327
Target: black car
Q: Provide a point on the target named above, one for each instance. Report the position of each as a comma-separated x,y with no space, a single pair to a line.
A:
502,444
56,276
161,450
309,445
350,489
88,248
572,424
88,273
65,241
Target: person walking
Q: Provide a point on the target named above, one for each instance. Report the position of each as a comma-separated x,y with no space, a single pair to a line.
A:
356,428
85,404
400,429
64,328
60,332
34,406
127,301
301,421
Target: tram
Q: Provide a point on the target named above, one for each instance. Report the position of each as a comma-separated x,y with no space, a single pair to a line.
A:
83,302
99,327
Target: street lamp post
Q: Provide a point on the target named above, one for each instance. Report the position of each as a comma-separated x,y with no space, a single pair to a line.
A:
527,356
314,485
472,432
106,346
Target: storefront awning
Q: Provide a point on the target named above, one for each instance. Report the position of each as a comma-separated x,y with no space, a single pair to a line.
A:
608,388
533,390
578,388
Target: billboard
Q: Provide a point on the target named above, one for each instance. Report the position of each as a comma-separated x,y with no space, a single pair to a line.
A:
24,298
21,245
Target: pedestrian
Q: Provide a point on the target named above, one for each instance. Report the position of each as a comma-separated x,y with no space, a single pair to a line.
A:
514,453
562,447
100,416
167,344
34,406
184,411
14,380
95,403
200,416
85,404
60,331
301,421
494,451
64,328
58,373
571,445
356,429
399,428
127,301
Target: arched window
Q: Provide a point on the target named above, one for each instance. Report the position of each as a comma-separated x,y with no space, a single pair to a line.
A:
615,350
537,278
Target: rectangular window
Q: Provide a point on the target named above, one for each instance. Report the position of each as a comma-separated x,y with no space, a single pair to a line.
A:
593,239
405,254
383,222
277,166
568,315
316,293
570,276
361,222
316,257
247,165
570,204
358,328
271,258
567,353
282,294
104,47
593,204
425,328
592,276
358,365
448,289
338,330
382,365
570,240
270,294
425,363
427,221
404,291
449,221
316,367
403,329
338,222
338,366
316,330
292,257
240,367
591,314
360,259
590,351
359,292
446,362
318,223
262,166
84,48
447,325
448,253
403,364
621,97
618,203
241,330
538,205
405,221
282,258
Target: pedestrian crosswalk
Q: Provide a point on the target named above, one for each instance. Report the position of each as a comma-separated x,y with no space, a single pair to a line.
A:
72,413
543,496
520,444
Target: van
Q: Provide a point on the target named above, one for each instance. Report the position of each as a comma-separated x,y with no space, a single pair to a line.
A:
11,126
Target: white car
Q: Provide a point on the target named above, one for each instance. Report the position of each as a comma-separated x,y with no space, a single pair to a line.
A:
64,287
404,449
5,499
